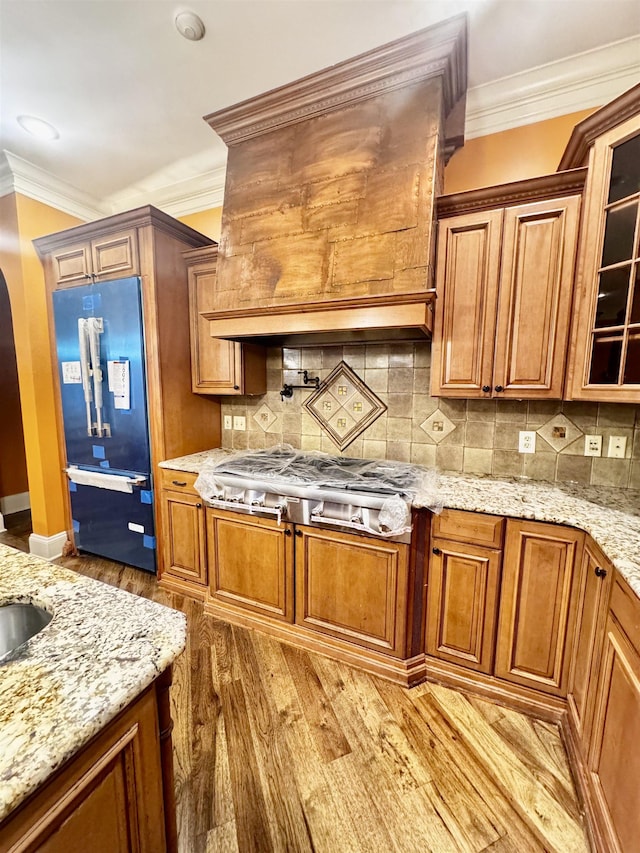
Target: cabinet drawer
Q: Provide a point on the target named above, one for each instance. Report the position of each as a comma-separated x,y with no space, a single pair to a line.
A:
473,527
178,481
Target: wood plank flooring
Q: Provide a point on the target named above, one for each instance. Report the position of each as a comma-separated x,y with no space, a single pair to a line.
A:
277,749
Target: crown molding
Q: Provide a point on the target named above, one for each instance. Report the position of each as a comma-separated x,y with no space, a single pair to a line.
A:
36,183
578,82
437,52
203,191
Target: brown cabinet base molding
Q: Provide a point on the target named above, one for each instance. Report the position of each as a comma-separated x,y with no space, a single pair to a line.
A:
407,672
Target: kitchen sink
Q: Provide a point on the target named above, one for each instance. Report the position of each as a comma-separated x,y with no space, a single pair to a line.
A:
18,623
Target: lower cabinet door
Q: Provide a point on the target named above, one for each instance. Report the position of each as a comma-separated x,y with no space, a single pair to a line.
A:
614,758
537,612
462,601
353,588
183,544
594,585
251,563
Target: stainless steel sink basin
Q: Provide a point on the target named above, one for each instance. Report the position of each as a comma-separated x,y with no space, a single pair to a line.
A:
18,623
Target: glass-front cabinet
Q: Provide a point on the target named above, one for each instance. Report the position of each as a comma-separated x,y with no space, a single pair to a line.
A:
605,357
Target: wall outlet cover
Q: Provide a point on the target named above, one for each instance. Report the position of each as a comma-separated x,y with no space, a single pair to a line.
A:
617,446
526,441
227,422
239,422
593,445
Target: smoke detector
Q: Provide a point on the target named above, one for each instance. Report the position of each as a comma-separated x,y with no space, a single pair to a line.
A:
189,25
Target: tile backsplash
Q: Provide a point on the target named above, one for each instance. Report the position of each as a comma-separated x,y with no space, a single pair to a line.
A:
474,436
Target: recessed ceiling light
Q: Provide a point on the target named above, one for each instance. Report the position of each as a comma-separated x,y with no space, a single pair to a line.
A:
38,127
189,25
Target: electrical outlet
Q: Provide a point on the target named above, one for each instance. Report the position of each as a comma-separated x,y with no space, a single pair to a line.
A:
239,422
617,446
227,422
526,441
593,445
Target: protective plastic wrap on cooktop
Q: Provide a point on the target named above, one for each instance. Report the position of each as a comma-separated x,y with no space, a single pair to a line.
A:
286,464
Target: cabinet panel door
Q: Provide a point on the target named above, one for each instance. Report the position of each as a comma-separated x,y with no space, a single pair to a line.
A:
462,597
251,563
115,255
536,290
71,266
614,758
467,286
352,587
183,530
536,618
591,613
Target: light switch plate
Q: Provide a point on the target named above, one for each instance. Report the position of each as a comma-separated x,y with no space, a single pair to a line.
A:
617,446
593,445
239,422
227,422
526,441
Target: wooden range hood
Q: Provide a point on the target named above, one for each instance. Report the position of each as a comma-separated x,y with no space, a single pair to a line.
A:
328,215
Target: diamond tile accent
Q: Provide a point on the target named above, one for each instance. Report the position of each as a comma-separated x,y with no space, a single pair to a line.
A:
437,426
264,417
559,432
344,406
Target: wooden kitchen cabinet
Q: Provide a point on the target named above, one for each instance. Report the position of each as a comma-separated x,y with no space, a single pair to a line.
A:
113,255
463,590
504,281
250,563
184,556
353,588
605,362
592,598
115,796
537,605
218,366
614,759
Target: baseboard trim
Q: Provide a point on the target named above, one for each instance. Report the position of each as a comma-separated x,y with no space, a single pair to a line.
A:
14,503
48,547
3,529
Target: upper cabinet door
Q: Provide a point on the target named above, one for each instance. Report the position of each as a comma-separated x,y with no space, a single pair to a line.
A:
467,290
606,352
536,288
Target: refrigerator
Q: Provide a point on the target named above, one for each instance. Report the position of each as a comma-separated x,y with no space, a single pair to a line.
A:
100,348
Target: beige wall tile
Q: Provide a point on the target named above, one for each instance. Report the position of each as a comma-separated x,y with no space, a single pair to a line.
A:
540,466
479,434
505,436
634,476
377,430
291,359
421,380
399,405
449,458
377,378
615,414
399,429
399,450
310,442
574,469
294,439
400,380
376,356
485,408
354,356
310,426
401,355
374,449
422,355
507,463
477,461
514,411
454,409
423,454
611,472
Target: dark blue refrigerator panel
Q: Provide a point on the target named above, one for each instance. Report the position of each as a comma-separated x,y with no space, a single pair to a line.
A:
114,524
106,319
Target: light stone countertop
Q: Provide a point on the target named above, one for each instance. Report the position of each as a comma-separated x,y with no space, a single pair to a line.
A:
102,648
611,516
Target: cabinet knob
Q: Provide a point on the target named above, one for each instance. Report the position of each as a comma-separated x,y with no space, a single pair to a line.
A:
287,532
178,483
437,551
198,506
499,388
236,387
601,573
298,532
486,388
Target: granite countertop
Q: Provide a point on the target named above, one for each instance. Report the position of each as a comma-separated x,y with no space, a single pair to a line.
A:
102,648
611,516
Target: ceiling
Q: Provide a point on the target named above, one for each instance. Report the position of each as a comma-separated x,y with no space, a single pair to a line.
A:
127,93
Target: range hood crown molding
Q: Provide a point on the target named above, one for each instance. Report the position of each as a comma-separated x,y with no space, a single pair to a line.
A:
439,51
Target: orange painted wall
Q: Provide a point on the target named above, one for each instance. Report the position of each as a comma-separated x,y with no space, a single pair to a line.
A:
207,222
511,155
24,219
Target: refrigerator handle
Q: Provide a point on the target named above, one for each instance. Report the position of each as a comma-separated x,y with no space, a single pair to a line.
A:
96,328
83,341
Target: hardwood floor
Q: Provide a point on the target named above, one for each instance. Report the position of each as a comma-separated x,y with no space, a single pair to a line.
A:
278,749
